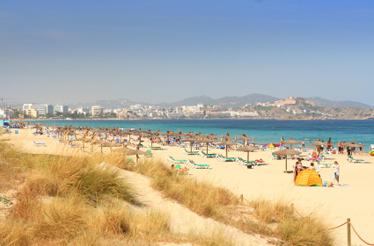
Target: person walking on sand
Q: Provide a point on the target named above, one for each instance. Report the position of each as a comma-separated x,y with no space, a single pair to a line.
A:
337,172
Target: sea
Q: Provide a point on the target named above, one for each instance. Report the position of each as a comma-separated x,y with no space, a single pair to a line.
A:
262,131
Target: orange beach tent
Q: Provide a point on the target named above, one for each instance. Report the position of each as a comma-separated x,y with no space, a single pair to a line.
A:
308,178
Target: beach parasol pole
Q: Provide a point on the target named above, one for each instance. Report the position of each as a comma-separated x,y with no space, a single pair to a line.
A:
286,164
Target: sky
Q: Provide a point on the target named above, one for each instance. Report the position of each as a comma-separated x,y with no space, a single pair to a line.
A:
166,50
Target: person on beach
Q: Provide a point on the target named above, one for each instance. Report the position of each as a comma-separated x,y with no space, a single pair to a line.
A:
360,150
337,172
314,154
312,166
295,171
353,150
303,144
339,147
348,151
342,144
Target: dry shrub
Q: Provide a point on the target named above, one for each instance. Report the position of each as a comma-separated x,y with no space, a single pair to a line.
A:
62,218
305,231
270,211
87,238
14,233
200,197
61,175
26,207
42,183
151,225
272,218
11,172
112,219
293,229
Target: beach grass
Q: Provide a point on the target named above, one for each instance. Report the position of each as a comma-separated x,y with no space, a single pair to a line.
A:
269,218
74,200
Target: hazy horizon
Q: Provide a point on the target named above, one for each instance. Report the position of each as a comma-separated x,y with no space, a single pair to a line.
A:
164,51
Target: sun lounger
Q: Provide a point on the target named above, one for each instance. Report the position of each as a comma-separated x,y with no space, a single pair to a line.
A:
198,166
244,161
212,155
249,164
225,159
154,147
39,144
275,157
174,161
353,160
324,164
186,152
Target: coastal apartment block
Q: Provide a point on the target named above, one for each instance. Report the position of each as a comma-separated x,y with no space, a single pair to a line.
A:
96,110
35,110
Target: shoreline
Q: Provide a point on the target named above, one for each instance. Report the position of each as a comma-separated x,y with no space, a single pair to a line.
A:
156,119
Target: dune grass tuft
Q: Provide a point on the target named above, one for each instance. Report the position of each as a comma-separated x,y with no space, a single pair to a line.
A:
61,218
270,218
61,175
14,233
187,191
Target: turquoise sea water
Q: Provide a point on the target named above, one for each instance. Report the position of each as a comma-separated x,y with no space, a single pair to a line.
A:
264,131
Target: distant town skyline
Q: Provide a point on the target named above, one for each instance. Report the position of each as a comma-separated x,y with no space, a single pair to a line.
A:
166,51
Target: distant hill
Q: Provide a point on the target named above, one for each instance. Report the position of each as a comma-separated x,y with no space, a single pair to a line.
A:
237,102
232,102
224,101
324,102
189,101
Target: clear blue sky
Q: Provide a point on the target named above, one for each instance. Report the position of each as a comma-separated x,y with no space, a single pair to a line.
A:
163,51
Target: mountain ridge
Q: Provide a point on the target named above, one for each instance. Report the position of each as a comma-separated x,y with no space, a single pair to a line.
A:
228,101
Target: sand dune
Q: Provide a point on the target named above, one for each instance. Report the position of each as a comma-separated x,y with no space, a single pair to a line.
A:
269,182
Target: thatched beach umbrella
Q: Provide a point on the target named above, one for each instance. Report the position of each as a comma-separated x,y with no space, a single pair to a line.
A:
286,152
206,141
353,144
136,152
247,149
243,137
317,143
226,143
191,140
291,141
108,145
226,137
212,136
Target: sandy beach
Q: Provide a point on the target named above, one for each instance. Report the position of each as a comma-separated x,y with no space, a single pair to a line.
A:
267,181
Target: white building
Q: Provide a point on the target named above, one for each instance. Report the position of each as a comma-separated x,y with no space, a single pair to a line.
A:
60,108
83,110
96,110
248,114
43,109
27,106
